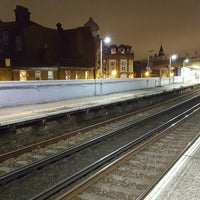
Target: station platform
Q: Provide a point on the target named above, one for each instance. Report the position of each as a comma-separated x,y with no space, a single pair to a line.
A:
9,115
182,182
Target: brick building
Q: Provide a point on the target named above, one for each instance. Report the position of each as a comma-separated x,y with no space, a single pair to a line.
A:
30,51
157,65
118,61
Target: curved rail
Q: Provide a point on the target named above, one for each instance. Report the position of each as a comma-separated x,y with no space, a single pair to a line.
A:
183,110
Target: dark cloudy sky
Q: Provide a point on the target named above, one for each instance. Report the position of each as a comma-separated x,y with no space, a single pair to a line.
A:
143,24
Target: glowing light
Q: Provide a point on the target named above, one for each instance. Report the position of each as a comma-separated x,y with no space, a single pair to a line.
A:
173,57
114,73
107,40
186,60
147,73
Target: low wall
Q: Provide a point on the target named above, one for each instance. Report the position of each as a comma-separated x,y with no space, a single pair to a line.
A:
14,93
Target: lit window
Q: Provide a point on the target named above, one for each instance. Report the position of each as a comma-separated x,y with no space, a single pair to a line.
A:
76,75
23,75
50,75
123,65
37,74
67,75
7,62
86,74
122,50
113,51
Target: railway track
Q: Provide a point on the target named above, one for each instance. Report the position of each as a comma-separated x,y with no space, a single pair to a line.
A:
82,160
56,123
11,161
133,175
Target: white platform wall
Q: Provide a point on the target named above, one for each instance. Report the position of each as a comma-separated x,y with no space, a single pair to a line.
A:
14,93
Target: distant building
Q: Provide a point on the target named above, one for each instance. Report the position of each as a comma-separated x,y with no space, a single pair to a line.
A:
29,51
158,66
118,61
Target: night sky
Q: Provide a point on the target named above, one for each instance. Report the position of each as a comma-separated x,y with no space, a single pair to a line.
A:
143,24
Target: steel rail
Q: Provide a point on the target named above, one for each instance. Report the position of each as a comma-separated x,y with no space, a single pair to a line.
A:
122,150
29,148
61,185
153,185
42,163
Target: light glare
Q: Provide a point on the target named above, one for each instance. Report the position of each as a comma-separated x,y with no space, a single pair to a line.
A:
173,57
114,72
107,39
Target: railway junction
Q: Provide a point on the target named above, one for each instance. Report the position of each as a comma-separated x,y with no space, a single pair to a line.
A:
181,181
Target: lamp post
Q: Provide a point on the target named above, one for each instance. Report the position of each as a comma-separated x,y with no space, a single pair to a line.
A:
183,68
148,69
105,40
173,57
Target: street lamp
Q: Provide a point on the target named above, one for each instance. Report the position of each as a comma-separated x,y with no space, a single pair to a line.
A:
173,57
148,59
185,61
105,40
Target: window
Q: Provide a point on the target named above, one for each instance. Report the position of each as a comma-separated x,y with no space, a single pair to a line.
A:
123,65
86,74
19,43
122,50
67,75
76,75
112,65
5,37
23,75
37,74
7,62
113,51
50,75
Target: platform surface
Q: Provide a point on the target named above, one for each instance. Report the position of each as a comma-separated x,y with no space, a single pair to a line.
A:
183,183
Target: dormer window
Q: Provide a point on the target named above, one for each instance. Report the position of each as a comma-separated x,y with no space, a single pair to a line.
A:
122,50
113,51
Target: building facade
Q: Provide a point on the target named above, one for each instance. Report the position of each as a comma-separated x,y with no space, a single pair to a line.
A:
118,61
29,51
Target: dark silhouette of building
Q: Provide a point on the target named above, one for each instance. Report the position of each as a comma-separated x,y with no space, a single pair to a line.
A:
30,51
